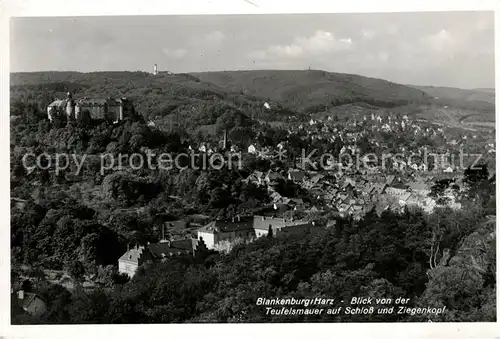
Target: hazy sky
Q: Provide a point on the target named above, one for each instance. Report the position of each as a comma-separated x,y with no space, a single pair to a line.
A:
434,48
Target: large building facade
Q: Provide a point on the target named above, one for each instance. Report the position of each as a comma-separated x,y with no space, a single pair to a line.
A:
219,231
91,108
138,255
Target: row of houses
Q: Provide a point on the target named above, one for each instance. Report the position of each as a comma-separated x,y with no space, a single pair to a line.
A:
354,193
210,237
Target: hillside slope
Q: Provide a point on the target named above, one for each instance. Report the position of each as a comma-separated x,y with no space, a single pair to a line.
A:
198,99
486,95
313,90
479,103
153,96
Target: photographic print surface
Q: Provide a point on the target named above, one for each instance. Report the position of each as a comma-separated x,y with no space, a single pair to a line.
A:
253,168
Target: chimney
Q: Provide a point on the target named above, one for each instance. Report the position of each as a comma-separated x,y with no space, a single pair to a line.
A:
128,247
20,294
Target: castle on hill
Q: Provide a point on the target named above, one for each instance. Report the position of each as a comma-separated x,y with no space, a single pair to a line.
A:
85,109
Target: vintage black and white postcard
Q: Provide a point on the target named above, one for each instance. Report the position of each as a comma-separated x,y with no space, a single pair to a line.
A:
252,167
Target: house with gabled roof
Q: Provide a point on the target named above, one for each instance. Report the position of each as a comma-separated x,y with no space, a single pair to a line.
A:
276,197
379,188
272,177
390,179
403,199
349,182
252,149
31,303
130,261
281,207
257,178
317,178
297,176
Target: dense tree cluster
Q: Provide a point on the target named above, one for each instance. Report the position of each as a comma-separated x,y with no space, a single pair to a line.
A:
81,224
381,256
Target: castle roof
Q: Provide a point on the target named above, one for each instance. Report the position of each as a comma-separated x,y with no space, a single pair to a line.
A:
247,223
218,226
99,102
163,248
57,103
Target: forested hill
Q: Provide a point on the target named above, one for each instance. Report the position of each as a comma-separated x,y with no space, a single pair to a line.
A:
297,91
482,100
303,89
481,94
196,100
153,96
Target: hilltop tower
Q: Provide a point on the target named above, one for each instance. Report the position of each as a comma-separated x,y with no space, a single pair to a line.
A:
155,69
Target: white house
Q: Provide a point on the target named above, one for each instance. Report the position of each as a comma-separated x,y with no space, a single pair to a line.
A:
252,149
130,261
247,227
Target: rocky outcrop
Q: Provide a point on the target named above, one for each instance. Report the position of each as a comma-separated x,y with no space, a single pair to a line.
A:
466,284
473,253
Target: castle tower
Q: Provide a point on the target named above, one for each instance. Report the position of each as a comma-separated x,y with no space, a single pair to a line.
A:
70,107
78,110
155,69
